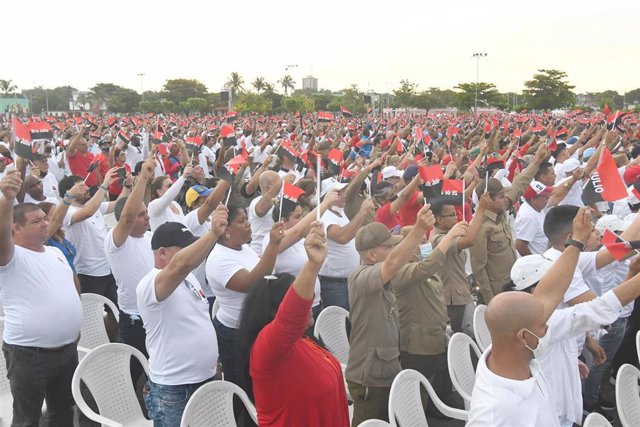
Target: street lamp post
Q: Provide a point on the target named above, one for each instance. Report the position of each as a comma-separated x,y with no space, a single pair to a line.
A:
477,56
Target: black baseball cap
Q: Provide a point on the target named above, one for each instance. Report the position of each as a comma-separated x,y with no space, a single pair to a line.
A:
172,234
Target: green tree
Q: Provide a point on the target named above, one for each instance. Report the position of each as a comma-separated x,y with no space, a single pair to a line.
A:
322,100
633,96
198,104
548,90
253,102
7,87
287,83
405,93
610,97
351,98
488,95
301,103
235,83
259,84
177,90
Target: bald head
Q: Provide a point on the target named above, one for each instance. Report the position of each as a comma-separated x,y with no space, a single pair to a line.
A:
267,179
509,312
33,187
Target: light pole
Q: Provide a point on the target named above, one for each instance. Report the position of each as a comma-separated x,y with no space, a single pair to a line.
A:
477,56
141,75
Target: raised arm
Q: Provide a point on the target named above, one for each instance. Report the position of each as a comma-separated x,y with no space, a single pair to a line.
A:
406,194
56,217
405,250
474,226
344,234
92,206
72,149
9,186
555,282
213,200
161,203
252,185
265,203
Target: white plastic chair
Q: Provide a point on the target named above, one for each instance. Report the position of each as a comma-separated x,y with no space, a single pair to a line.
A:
6,399
93,332
212,405
405,404
595,419
374,423
461,371
638,344
331,328
480,329
105,370
627,397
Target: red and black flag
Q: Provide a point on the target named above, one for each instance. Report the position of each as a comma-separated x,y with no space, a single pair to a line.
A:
228,133
159,136
40,131
335,162
605,183
325,116
124,136
112,121
617,246
231,116
287,150
493,163
451,193
345,112
432,177
231,168
23,144
193,143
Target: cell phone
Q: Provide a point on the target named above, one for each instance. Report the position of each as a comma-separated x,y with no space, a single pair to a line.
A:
121,173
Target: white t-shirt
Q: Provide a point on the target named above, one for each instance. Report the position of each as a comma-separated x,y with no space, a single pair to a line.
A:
50,185
160,210
222,264
129,263
41,304
134,155
502,402
260,226
182,344
529,228
29,199
205,154
578,285
193,224
341,259
574,196
88,237
291,261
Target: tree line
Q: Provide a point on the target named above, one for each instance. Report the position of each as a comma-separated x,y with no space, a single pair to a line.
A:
547,89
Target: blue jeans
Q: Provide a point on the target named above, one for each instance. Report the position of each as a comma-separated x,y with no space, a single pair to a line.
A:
166,403
334,291
610,342
228,351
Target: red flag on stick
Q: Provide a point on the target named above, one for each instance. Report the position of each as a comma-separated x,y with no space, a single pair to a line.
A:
617,246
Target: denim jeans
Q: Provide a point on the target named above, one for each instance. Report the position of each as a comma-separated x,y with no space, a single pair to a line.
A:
36,375
610,342
228,351
334,291
132,333
166,403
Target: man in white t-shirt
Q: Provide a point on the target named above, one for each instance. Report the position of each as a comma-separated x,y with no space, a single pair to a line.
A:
342,256
44,172
259,212
530,238
128,251
181,340
34,191
84,226
510,386
42,310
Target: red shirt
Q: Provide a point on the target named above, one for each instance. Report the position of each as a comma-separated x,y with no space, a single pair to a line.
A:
79,163
385,216
409,212
116,188
295,381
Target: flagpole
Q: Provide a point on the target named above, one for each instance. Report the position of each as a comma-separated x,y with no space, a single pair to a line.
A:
486,182
318,178
281,202
463,199
228,197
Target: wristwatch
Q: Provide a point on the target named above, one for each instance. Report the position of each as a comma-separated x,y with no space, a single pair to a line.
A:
577,244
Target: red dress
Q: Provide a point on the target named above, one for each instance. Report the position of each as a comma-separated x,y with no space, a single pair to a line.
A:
295,381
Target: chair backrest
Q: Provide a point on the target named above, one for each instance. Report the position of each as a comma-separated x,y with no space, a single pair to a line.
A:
5,389
105,370
627,397
374,423
405,404
461,370
215,308
93,332
331,328
212,405
595,419
480,330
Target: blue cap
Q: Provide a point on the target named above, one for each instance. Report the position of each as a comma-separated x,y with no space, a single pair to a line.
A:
409,173
588,153
196,191
572,140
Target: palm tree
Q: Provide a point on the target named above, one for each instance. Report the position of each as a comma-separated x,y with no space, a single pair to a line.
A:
7,87
259,84
287,83
235,82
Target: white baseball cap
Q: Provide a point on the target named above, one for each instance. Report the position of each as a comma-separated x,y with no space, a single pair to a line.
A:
391,171
570,165
612,222
329,183
528,270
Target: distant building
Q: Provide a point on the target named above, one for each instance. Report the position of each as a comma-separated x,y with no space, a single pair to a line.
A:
14,105
310,83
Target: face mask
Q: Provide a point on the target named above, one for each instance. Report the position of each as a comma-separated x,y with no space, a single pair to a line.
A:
425,250
337,209
313,202
543,345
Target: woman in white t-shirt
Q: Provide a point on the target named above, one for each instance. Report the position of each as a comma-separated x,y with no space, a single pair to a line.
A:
232,269
162,207
291,253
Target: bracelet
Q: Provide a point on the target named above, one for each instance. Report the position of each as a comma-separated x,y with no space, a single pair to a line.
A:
66,203
577,244
104,188
127,186
69,196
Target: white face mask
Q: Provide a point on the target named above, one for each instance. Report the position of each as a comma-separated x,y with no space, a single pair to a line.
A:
425,250
542,349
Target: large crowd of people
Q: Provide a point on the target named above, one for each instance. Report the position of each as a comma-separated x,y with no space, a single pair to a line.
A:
406,221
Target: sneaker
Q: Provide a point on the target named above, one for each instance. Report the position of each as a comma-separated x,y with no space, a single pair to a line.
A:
587,409
605,404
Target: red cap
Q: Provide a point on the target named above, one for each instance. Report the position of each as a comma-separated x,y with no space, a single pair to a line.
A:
446,160
536,189
631,173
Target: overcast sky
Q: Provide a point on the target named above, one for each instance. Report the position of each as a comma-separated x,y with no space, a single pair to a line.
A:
372,44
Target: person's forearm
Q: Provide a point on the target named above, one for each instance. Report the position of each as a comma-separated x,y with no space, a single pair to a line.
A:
266,201
184,156
402,253
73,144
213,200
356,184
135,199
265,265
6,229
352,228
555,282
171,193
473,230
56,218
94,203
305,282
629,290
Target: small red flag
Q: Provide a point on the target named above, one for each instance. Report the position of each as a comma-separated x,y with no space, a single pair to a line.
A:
613,187
431,175
617,246
291,192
